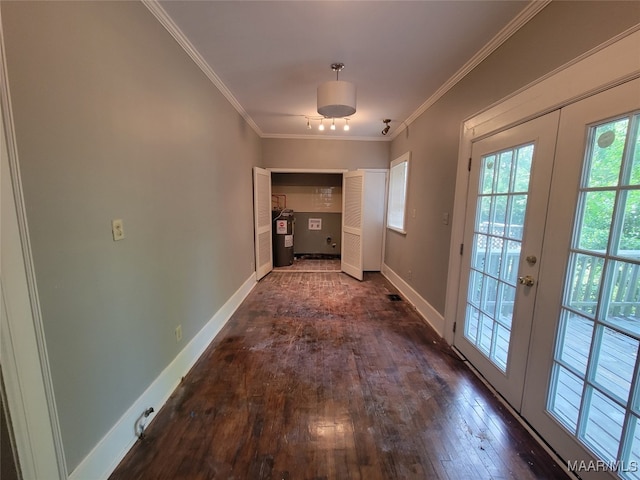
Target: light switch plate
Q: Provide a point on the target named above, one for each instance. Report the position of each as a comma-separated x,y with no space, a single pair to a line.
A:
117,228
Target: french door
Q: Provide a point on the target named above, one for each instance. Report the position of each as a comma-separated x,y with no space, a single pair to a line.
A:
582,390
551,310
507,204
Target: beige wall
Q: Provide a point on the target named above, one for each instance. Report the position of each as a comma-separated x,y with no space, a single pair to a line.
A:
562,31
329,154
308,192
310,199
114,120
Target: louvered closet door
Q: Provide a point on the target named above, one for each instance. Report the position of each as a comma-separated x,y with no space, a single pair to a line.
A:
353,203
262,221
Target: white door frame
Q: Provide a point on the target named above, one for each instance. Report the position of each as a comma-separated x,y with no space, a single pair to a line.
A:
607,65
25,365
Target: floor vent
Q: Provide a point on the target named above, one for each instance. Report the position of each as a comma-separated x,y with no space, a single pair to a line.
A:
394,297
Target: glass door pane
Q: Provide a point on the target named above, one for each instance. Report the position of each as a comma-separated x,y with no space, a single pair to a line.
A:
497,239
594,390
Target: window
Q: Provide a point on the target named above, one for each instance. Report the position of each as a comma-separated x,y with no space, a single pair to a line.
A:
397,205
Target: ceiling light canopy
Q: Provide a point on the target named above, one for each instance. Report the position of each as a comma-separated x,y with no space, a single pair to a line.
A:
337,98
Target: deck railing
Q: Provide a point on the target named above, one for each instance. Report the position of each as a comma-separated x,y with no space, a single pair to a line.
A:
625,295
624,302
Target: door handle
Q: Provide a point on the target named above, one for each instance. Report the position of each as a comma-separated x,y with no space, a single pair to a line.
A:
527,281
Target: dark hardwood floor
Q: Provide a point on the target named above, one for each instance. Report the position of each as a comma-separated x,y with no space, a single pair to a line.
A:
319,376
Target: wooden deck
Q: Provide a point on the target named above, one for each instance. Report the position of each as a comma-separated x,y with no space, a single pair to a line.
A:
319,376
613,372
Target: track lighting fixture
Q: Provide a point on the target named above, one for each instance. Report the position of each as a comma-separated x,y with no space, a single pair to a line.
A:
321,126
385,130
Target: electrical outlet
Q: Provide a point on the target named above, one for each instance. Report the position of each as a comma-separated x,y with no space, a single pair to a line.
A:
117,229
178,333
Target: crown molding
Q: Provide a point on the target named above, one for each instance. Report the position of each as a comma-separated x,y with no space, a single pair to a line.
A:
161,15
530,11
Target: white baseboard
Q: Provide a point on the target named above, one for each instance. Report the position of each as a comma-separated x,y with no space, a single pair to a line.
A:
108,453
424,308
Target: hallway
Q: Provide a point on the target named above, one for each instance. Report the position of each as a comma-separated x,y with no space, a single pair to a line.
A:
319,376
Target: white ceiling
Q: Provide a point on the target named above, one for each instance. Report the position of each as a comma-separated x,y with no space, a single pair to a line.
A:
270,56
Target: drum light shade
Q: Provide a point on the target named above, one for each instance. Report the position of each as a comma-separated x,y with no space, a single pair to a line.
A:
336,99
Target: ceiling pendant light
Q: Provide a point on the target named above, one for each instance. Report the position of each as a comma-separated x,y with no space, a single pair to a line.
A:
346,124
321,126
336,98
333,124
308,124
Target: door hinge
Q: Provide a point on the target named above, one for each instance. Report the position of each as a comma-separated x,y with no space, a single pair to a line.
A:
455,324
469,165
461,248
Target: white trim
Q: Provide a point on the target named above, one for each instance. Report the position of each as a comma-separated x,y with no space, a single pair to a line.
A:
108,453
167,22
530,11
603,67
25,362
613,63
424,308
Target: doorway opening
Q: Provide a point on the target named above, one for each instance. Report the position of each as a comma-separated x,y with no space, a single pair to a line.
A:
361,208
315,199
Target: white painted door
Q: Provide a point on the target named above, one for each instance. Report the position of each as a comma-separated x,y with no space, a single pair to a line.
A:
507,204
352,218
582,391
373,216
262,221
